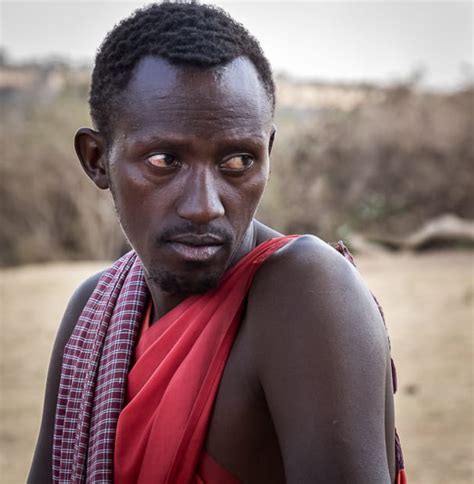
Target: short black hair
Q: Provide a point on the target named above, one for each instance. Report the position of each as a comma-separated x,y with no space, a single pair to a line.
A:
186,33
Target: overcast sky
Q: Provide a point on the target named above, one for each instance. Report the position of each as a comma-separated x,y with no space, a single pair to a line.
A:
330,40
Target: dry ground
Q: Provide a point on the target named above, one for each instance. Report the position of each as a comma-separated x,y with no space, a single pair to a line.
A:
428,300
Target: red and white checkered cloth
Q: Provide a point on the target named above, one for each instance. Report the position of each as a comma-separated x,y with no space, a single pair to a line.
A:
96,362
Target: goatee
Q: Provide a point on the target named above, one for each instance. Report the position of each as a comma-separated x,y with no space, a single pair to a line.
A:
188,284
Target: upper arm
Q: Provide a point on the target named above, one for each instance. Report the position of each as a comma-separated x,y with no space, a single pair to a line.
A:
41,468
322,357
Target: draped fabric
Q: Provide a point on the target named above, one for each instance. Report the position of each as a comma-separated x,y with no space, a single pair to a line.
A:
97,359
210,471
131,465
180,370
95,366
172,386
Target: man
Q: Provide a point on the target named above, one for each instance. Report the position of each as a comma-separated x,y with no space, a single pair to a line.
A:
218,350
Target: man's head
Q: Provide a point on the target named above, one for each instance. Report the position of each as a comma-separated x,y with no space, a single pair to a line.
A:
184,135
187,34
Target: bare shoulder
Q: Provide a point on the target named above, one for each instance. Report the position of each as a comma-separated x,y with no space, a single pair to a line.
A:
311,286
321,355
308,253
308,267
41,467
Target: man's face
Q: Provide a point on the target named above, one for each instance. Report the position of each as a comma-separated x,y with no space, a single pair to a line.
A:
187,165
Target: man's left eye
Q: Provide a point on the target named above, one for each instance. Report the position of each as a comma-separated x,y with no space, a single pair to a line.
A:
237,163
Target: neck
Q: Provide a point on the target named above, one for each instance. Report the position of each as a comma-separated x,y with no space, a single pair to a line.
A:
164,302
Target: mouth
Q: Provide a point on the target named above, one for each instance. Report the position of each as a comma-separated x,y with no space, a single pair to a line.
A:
195,248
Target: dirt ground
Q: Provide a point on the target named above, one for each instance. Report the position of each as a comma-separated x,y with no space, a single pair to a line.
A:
428,300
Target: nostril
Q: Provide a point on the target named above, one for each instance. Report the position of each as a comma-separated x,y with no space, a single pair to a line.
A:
201,204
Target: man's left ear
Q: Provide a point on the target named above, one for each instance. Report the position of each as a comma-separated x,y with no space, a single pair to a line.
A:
272,138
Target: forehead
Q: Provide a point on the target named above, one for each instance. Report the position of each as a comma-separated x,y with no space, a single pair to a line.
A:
175,98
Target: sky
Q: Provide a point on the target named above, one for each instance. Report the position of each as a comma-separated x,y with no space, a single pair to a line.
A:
344,41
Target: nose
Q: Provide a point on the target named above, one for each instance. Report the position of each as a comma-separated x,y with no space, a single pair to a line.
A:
200,202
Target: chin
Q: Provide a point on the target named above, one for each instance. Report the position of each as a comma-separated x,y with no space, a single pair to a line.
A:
187,284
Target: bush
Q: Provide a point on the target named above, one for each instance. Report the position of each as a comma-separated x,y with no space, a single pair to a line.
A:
384,166
49,210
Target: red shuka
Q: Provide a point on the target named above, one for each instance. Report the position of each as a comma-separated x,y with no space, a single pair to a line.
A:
178,364
174,381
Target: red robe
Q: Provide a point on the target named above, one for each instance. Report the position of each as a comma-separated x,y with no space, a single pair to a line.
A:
174,381
172,385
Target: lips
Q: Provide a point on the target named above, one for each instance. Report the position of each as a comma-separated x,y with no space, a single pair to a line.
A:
194,247
197,239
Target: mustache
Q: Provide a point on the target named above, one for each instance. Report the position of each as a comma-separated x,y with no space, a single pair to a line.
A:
188,228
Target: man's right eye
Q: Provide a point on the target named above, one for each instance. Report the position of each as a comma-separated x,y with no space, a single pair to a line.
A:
162,160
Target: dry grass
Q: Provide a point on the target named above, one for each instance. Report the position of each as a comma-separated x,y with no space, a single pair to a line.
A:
428,300
383,165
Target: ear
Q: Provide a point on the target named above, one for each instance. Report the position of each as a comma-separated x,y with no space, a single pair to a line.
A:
272,138
91,150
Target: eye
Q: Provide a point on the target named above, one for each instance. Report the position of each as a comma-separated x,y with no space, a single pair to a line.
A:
162,160
237,163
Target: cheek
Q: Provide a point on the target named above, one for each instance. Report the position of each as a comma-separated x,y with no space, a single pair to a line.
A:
133,199
126,186
259,182
250,194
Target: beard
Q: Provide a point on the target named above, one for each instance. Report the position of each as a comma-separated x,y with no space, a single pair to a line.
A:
196,282
192,277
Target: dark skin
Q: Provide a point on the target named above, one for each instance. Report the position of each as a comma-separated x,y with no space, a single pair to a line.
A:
306,394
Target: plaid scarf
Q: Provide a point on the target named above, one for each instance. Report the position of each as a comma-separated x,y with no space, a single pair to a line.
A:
95,366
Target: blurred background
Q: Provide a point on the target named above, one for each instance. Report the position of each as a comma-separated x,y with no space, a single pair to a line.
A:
374,146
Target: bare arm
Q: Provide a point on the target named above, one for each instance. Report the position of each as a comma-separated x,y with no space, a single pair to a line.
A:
41,468
322,359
